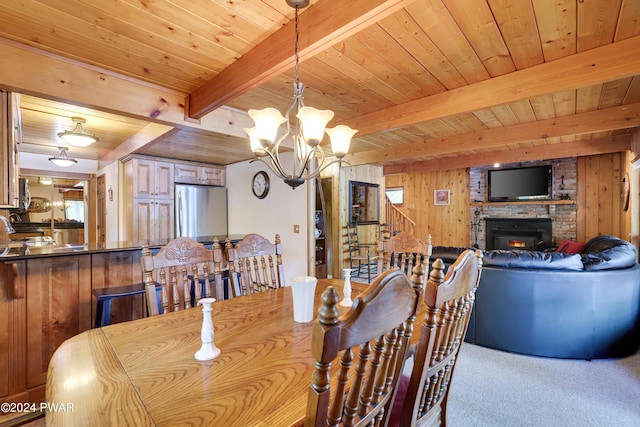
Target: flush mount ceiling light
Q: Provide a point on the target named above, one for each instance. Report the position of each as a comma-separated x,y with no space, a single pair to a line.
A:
78,137
305,134
62,159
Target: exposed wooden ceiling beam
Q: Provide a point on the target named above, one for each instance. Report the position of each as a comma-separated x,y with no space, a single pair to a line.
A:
540,152
324,24
81,84
625,116
606,63
148,135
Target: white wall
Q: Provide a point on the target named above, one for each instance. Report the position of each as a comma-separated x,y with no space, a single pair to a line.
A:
41,162
275,214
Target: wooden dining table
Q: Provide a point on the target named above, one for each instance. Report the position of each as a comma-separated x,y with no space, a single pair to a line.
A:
144,373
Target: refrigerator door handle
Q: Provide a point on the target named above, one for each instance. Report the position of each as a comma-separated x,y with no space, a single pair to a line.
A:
179,219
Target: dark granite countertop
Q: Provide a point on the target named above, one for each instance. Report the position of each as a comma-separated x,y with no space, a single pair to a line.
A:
22,227
15,251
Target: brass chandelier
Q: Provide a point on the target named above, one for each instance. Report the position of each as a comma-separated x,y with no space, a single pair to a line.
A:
272,128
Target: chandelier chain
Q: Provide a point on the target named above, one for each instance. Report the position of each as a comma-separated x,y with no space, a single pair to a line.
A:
305,133
296,50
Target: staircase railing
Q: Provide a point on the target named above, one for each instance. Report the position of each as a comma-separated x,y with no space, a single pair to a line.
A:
397,219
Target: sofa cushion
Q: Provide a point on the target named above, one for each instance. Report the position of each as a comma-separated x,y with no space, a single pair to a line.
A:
532,259
608,253
569,247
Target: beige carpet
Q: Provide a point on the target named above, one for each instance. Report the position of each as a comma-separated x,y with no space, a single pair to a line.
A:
495,388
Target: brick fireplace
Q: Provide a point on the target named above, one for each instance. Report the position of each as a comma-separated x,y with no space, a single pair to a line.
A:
517,233
563,217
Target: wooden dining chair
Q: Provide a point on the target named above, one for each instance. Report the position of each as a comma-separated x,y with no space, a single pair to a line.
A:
403,251
182,268
360,257
448,300
255,264
359,356
384,231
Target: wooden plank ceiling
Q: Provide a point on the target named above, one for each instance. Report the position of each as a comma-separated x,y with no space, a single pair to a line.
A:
428,83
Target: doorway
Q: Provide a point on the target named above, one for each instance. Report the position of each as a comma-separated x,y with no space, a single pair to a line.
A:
101,205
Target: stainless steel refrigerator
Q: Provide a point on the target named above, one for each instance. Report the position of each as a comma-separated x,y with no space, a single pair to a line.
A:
201,210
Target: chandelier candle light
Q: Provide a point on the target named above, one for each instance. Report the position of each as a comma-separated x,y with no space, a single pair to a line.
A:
305,135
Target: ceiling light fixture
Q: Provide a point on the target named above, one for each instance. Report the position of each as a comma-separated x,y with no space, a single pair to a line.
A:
305,135
62,159
78,137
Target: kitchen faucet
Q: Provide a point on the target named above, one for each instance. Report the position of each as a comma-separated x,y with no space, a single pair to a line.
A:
7,225
8,229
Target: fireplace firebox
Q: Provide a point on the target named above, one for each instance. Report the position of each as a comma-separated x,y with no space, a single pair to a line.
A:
518,233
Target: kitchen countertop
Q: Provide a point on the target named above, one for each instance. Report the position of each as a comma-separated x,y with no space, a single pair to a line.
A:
20,251
30,226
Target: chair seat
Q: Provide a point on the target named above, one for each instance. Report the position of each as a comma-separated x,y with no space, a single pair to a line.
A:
361,255
118,291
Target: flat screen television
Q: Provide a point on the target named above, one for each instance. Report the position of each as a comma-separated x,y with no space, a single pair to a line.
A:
520,184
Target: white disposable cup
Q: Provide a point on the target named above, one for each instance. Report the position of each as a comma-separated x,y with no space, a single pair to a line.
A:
303,289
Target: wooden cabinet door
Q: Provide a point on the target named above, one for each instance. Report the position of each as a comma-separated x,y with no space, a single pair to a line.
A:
59,290
113,269
164,180
143,217
152,219
186,174
212,176
5,349
163,221
143,178
13,347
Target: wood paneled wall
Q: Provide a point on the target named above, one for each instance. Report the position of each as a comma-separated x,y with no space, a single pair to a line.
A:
364,173
448,224
599,203
599,196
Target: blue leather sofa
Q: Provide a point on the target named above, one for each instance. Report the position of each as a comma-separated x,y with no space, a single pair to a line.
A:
552,304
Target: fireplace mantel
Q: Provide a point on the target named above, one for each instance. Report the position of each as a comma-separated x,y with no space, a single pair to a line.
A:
526,202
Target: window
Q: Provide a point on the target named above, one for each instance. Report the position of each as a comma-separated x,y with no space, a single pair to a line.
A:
395,195
74,209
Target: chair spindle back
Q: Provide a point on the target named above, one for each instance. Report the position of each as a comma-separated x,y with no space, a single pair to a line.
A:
177,267
255,264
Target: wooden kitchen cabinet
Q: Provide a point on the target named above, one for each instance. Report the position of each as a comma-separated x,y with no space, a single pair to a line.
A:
199,174
59,307
10,136
151,179
152,220
148,200
45,301
13,337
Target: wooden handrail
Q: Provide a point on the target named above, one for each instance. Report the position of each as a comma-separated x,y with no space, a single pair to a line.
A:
397,219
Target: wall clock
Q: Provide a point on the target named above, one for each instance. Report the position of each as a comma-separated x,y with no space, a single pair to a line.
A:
260,185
